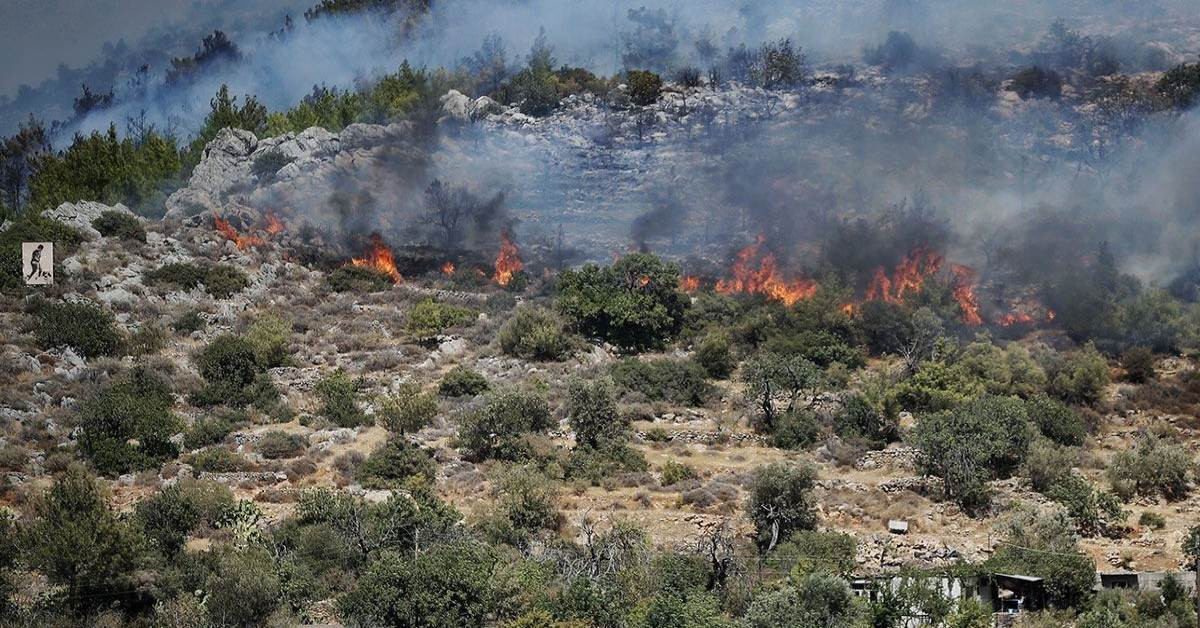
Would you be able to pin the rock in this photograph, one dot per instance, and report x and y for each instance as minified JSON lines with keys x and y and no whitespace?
{"x":224,"y":164}
{"x":453,"y":348}
{"x":80,"y":215}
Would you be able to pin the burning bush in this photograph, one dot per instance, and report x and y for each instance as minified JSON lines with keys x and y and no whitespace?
{"x":461,"y":381}
{"x":87,"y":328}
{"x":634,"y":304}
{"x":535,"y":333}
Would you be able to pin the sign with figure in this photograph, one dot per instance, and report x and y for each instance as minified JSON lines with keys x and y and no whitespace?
{"x":37,"y":263}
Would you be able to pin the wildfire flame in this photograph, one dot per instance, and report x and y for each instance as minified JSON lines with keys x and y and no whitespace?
{"x":689,"y":284}
{"x":448,"y":268}
{"x":1015,"y":318}
{"x":379,"y":258}
{"x":764,"y":279}
{"x":275,"y":224}
{"x":241,"y":241}
{"x":909,"y":276}
{"x":964,"y":293}
{"x":508,"y":261}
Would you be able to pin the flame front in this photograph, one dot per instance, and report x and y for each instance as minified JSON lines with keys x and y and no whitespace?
{"x":909,"y":276}
{"x":379,"y":258}
{"x":765,"y":279}
{"x":689,"y":284}
{"x":275,"y":224}
{"x":964,"y":293}
{"x":448,"y":268}
{"x":508,"y":261}
{"x":241,"y":241}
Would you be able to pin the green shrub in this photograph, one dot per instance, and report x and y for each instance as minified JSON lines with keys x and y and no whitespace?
{"x":1048,"y":464}
{"x":228,"y":358}
{"x":428,"y":319}
{"x":664,"y":379}
{"x":1153,"y":467}
{"x":220,"y":280}
{"x":714,"y":353}
{"x":1037,"y":82}
{"x":358,"y":279}
{"x":875,"y":423}
{"x":500,"y":429}
{"x":268,"y":163}
{"x":1138,"y":363}
{"x":268,"y":338}
{"x":1094,"y":512}
{"x":674,"y":472}
{"x":338,"y":393}
{"x":796,"y":430}
{"x":111,"y":223}
{"x":279,"y":444}
{"x":189,"y":322}
{"x":813,"y":551}
{"x":819,"y":346}
{"x":462,"y":381}
{"x":128,"y":424}
{"x":406,"y":411}
{"x":644,"y":87}
{"x":1056,"y":420}
{"x":937,"y":386}
{"x":167,"y":518}
{"x":595,"y":464}
{"x":218,"y":460}
{"x":634,"y":304}
{"x":1043,"y":544}
{"x":147,"y":340}
{"x":592,"y":413}
{"x":1180,"y":85}
{"x":393,"y":464}
{"x":207,"y":431}
{"x":223,"y":280}
{"x":1008,"y":371}
{"x":526,"y":505}
{"x":1152,"y":520}
{"x":87,"y":328}
{"x":534,"y":333}
{"x":1077,"y":377}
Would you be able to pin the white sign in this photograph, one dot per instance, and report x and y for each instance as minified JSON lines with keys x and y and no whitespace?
{"x":37,"y":263}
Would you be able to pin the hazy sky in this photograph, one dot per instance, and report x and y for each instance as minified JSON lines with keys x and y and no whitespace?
{"x":37,"y":35}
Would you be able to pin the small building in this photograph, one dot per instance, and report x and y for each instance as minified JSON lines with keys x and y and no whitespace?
{"x":1015,"y":593}
{"x":1144,"y":580}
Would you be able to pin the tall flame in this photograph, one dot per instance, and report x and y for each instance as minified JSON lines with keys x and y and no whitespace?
{"x":964,"y":293}
{"x":764,"y":279}
{"x":909,"y":276}
{"x":379,"y":258}
{"x":274,"y":225}
{"x":241,"y":241}
{"x":508,"y":261}
{"x":689,"y":284}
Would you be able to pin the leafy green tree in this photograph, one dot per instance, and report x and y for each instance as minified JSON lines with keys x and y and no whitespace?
{"x":393,"y":464}
{"x":645,"y":87}
{"x":128,"y":425}
{"x":813,"y":551}
{"x":446,"y":586}
{"x":1056,"y":420}
{"x":268,"y":337}
{"x":772,"y":379}
{"x":634,"y":304}
{"x":225,"y":113}
{"x":405,"y":522}
{"x":233,"y":375}
{"x":663,"y":379}
{"x":20,"y":154}
{"x":461,"y":381}
{"x":782,"y":501}
{"x":500,"y":429}
{"x":78,"y":542}
{"x":243,"y":588}
{"x":985,"y":439}
{"x":714,"y":353}
{"x":937,"y":385}
{"x":592,"y":412}
{"x":815,"y":600}
{"x":1180,"y":85}
{"x":526,"y":505}
{"x":1094,"y":512}
{"x":1008,"y":371}
{"x":875,"y":422}
{"x":1076,"y":377}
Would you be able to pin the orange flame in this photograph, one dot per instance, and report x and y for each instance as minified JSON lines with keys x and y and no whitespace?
{"x":1015,"y":318}
{"x":241,"y":241}
{"x":448,"y":268}
{"x":765,"y":279}
{"x":849,"y":308}
{"x":964,"y":293}
{"x":379,"y":258}
{"x":689,"y":284}
{"x":508,"y":261}
{"x":275,"y":225}
{"x":909,"y":276}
